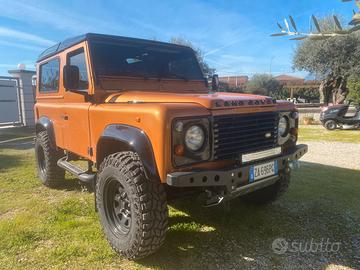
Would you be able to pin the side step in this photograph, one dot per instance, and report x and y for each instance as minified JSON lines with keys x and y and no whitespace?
{"x":86,"y":177}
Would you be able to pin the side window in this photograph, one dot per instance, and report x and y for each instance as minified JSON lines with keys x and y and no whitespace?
{"x":49,"y":76}
{"x":77,"y":59}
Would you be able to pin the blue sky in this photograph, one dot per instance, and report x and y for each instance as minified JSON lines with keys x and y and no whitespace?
{"x":234,"y":35}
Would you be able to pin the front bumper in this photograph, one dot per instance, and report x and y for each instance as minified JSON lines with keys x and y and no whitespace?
{"x":236,"y":180}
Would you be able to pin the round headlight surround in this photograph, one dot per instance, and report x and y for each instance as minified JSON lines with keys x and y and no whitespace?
{"x":283,"y":126}
{"x":194,"y":138}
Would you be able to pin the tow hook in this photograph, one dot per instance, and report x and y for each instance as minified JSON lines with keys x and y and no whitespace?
{"x":212,"y":198}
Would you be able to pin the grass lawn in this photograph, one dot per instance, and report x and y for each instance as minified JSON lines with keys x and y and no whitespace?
{"x":319,"y":133}
{"x":43,"y":228}
{"x":8,"y":134}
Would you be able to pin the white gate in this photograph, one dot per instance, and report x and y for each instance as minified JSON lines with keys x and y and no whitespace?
{"x":10,"y":110}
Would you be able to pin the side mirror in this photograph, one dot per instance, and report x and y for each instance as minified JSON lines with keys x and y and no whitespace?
{"x":71,"y":75}
{"x":215,"y":82}
{"x":206,"y":80}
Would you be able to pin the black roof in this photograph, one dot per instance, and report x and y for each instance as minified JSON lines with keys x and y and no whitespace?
{"x":67,"y":43}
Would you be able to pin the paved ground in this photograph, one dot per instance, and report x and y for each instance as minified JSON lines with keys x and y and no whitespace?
{"x":337,"y":154}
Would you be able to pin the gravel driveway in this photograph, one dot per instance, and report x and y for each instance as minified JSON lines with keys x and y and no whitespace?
{"x":337,"y":154}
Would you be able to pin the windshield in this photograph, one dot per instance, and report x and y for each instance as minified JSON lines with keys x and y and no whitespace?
{"x":144,"y":60}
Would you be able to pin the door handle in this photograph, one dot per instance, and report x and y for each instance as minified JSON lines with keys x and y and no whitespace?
{"x":65,"y":117}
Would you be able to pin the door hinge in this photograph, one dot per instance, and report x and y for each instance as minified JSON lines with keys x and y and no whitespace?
{"x":90,"y":151}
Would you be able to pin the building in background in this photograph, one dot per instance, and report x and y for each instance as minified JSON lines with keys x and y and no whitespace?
{"x":289,"y":80}
{"x":300,"y":89}
{"x":290,"y":87}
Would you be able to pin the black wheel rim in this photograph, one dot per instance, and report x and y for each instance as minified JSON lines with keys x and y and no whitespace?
{"x":41,"y":159}
{"x":117,"y":207}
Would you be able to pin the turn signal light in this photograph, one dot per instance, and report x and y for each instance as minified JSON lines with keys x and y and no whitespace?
{"x":294,"y":131}
{"x":179,"y":150}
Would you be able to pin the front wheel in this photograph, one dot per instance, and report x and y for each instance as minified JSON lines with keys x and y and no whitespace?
{"x":133,"y":209}
{"x":330,"y":125}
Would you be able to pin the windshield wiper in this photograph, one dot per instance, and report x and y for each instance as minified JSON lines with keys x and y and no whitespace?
{"x":173,"y":75}
{"x":128,"y":73}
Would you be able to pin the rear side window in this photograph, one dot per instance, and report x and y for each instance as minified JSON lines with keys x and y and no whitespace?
{"x":77,"y":59}
{"x":49,"y":76}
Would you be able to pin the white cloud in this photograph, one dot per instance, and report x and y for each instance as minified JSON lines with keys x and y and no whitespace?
{"x":29,"y":65}
{"x":43,"y":16}
{"x":11,"y":33}
{"x":239,"y":58}
{"x":21,"y":46}
{"x":7,"y":65}
{"x":228,"y":44}
{"x":22,"y":11}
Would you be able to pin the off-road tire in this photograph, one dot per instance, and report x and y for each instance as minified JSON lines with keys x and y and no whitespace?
{"x":146,"y":201}
{"x":330,"y":125}
{"x":271,"y":193}
{"x":49,"y":173}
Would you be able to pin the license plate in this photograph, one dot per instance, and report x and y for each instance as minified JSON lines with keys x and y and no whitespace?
{"x":263,"y":170}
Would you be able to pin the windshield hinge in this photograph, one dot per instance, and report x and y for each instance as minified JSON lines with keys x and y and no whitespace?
{"x":90,"y":151}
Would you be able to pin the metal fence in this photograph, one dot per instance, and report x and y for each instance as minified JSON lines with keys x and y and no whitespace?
{"x":10,"y":101}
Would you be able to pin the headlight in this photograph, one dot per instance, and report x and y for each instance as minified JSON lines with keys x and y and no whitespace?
{"x":194,"y":137}
{"x":283,"y":126}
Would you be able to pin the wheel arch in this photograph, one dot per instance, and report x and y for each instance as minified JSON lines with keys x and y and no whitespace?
{"x":45,"y":124}
{"x":118,"y":137}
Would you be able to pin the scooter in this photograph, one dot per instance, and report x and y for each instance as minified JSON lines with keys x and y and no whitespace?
{"x":333,"y":117}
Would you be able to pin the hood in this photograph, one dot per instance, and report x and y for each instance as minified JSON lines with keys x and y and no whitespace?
{"x":219,"y":100}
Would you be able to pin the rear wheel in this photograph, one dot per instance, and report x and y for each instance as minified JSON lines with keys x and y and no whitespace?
{"x":133,"y":209}
{"x":46,"y":158}
{"x":330,"y":125}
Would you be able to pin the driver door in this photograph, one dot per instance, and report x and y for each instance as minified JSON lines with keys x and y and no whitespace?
{"x":76,"y":108}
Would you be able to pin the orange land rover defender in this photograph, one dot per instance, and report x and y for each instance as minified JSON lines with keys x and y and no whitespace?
{"x":142,"y":115}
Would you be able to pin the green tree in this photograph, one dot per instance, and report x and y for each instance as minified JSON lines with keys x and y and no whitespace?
{"x":310,"y":94}
{"x":263,"y":84}
{"x":198,"y":52}
{"x":354,"y":90}
{"x":281,"y":93}
{"x":332,"y":60}
{"x":226,"y":87}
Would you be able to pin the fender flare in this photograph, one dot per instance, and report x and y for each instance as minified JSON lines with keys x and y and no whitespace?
{"x":130,"y":139}
{"x":44,"y":123}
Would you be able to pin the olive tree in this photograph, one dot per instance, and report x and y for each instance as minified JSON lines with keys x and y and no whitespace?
{"x":264,"y":84}
{"x":331,"y":60}
{"x":354,"y":90}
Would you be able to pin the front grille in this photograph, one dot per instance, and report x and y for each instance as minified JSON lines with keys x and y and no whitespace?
{"x":243,"y":133}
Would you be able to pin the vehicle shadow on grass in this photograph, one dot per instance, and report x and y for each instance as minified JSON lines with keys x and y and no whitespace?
{"x":320,"y":210}
{"x":74,"y":184}
{"x":25,"y":144}
{"x":17,"y":138}
{"x":9,"y":161}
